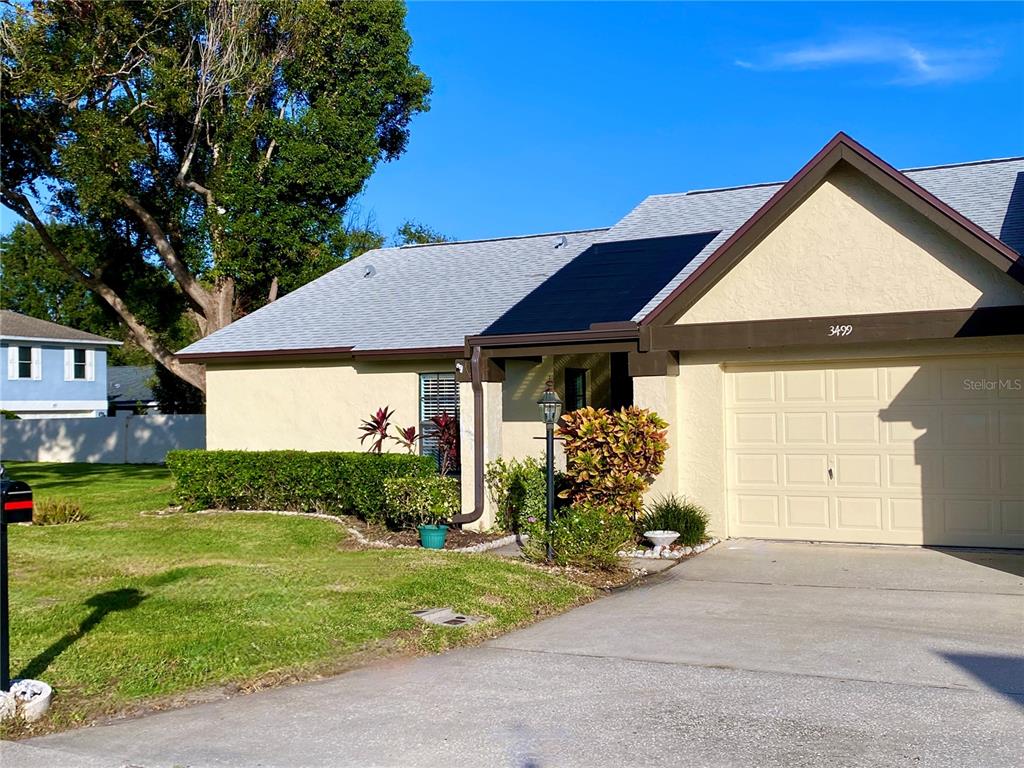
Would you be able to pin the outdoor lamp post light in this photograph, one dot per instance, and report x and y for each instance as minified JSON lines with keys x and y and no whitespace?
{"x":551,"y":408}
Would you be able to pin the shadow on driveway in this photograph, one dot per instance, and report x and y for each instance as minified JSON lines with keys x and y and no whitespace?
{"x":1003,"y":674}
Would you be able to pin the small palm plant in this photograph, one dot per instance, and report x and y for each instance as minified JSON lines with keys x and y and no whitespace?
{"x":407,"y":438}
{"x":376,"y":429}
{"x":445,"y":430}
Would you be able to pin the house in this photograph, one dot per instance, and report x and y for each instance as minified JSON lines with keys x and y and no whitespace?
{"x":52,"y":371}
{"x":840,"y":357}
{"x":129,"y":390}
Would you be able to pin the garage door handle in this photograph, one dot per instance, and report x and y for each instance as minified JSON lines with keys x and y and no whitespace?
{"x":830,"y":473}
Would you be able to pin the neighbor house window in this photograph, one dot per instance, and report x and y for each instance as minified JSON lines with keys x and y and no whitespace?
{"x":79,"y":364}
{"x":575,"y":389}
{"x":24,"y":363}
{"x":439,"y":394}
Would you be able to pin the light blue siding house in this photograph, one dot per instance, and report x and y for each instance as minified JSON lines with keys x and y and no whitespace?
{"x":52,"y":371}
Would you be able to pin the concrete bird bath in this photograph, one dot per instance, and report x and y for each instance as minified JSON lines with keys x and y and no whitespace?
{"x":661,"y":538}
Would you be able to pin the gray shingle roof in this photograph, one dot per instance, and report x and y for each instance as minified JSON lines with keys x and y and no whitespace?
{"x":436,"y":295}
{"x":130,"y":383}
{"x":14,"y":325}
{"x":419,"y":296}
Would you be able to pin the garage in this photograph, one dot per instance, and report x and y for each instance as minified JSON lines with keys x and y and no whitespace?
{"x":911,"y":451}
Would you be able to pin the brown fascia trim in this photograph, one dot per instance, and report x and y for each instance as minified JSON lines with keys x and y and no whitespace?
{"x":315,"y":353}
{"x":622,"y":332}
{"x":793,"y":192}
{"x":804,"y":331}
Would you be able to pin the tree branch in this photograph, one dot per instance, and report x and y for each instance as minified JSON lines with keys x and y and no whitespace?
{"x":193,"y":374}
{"x":195,"y":292}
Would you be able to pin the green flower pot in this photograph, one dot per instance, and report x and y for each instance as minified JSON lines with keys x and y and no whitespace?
{"x":433,"y":536}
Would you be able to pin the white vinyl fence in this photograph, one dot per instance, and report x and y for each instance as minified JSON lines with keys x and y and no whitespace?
{"x":120,"y":439}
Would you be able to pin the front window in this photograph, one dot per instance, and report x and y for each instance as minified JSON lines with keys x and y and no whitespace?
{"x":575,"y":389}
{"x":439,"y":393}
{"x":79,"y":369}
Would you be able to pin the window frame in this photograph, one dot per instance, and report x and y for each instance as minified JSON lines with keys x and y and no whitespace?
{"x":427,"y":447}
{"x":575,"y":388}
{"x":15,"y":362}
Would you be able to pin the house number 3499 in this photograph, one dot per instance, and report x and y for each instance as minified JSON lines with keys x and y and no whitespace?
{"x":840,"y":330}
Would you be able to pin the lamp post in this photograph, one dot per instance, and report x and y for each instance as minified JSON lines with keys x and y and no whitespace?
{"x":550,"y":408}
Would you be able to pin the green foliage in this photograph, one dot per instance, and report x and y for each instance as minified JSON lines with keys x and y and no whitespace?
{"x":585,"y":535}
{"x":415,"y":233}
{"x":57,"y":511}
{"x":327,"y":482}
{"x":518,"y":488}
{"x":36,"y":285}
{"x":671,"y":513}
{"x":414,"y":501}
{"x":8,"y":414}
{"x":174,"y":395}
{"x":612,"y":457}
{"x":216,"y":146}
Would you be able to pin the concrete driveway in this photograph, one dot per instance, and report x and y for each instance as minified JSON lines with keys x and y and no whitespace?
{"x":753,"y":654}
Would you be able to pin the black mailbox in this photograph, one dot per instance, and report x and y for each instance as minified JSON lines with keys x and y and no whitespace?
{"x":15,"y":502}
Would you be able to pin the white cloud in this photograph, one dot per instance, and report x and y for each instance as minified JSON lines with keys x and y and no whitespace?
{"x":913,"y":63}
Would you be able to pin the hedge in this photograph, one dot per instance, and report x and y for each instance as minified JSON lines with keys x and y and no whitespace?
{"x":326,"y":482}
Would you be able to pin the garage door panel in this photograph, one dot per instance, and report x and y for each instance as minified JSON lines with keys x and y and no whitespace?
{"x":1011,"y":426}
{"x":757,"y":469}
{"x":804,"y":386}
{"x":1011,"y":517}
{"x":807,"y":512}
{"x":970,"y":516}
{"x":911,"y":384}
{"x":860,"y":427}
{"x":858,"y":471}
{"x":754,"y":387}
{"x":967,"y":427}
{"x":758,"y":510}
{"x":805,"y":428}
{"x":906,"y":515}
{"x":966,"y":472}
{"x":859,"y":513}
{"x":755,"y":428}
{"x":1011,"y":473}
{"x":920,"y":452}
{"x":856,"y":385}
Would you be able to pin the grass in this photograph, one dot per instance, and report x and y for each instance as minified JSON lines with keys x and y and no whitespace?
{"x":125,"y":610}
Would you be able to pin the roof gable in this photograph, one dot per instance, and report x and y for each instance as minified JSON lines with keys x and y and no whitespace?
{"x":841,"y":149}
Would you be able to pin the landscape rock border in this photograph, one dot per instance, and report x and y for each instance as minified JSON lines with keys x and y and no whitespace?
{"x":668,"y":553}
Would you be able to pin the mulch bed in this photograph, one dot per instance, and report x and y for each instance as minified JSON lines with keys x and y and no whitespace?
{"x":457,"y":537}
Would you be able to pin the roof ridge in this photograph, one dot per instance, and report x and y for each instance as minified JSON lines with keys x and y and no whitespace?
{"x":961,"y":165}
{"x":780,"y":183}
{"x":498,"y":239}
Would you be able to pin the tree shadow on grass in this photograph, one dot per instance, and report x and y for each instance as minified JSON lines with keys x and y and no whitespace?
{"x":102,"y":604}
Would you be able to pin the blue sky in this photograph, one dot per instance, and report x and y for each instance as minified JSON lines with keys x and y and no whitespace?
{"x":563,"y":116}
{"x":549,"y":116}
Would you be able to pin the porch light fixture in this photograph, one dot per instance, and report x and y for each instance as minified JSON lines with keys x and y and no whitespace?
{"x":551,"y":409}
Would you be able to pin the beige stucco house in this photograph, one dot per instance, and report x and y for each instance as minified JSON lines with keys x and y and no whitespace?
{"x":840,"y":357}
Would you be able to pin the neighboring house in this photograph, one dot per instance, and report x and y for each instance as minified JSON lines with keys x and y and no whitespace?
{"x":52,"y":371}
{"x":129,"y":390}
{"x":839,"y":357}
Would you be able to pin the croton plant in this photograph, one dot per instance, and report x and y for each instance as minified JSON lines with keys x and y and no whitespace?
{"x":612,"y":457}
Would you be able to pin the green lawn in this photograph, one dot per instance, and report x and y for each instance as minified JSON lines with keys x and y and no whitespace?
{"x":127,"y":609}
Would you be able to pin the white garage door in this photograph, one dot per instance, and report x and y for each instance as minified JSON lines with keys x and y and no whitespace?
{"x":907,"y":452}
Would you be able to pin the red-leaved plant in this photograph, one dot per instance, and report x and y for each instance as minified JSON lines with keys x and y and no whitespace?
{"x":407,"y":438}
{"x":445,"y":430}
{"x":376,"y":429}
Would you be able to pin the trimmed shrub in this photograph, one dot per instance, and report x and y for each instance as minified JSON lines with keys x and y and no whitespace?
{"x":612,"y":457}
{"x":57,"y":512}
{"x":414,"y":501}
{"x":333,"y":483}
{"x":671,"y":513}
{"x":585,"y":535}
{"x":518,"y":488}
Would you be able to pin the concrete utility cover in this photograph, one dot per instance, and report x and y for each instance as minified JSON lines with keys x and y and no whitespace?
{"x":445,"y":617}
